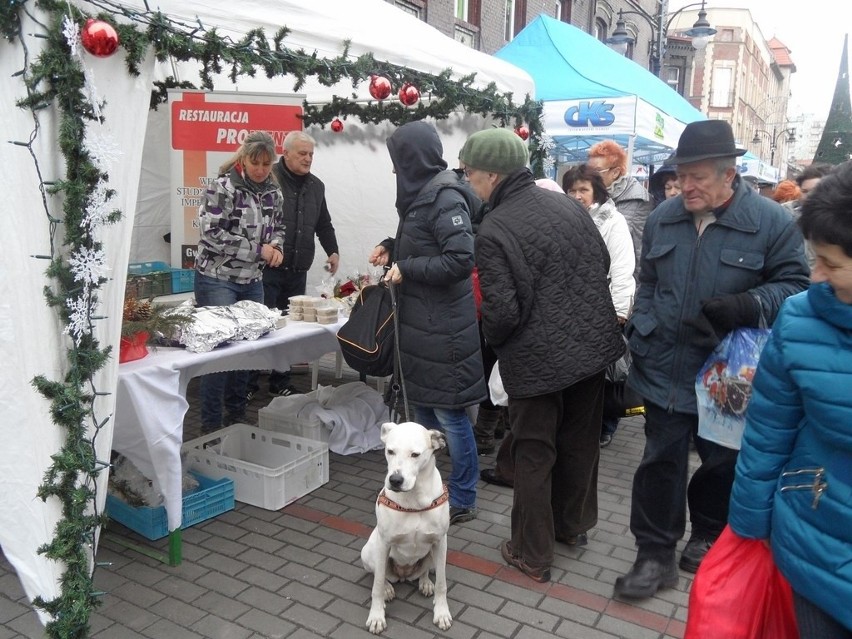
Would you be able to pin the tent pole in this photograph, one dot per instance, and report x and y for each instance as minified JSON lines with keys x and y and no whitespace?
{"x":630,"y":140}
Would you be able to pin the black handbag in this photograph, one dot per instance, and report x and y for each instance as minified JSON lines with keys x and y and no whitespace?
{"x":619,"y":400}
{"x":367,"y":338}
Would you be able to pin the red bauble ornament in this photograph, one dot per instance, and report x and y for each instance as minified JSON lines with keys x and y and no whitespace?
{"x":99,"y":38}
{"x":380,"y":87}
{"x":336,"y":125}
{"x":522,"y":132}
{"x":409,"y":94}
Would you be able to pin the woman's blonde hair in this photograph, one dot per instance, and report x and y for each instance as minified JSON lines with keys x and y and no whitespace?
{"x":257,"y":143}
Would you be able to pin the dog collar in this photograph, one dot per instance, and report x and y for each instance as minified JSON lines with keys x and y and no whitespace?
{"x":384,"y":500}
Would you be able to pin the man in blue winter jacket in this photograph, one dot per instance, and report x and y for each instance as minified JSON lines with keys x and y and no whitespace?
{"x":715,"y":258}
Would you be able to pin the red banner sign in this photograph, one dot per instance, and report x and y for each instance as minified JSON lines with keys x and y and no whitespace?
{"x":222,"y":126}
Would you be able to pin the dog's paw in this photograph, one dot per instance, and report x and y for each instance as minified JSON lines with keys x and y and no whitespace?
{"x":426,"y":587}
{"x":442,"y":618}
{"x":376,"y":623}
{"x":390,"y":593}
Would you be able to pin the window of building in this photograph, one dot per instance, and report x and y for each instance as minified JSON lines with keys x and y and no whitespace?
{"x":410,"y":7}
{"x":672,"y":77}
{"x":562,"y":10}
{"x":600,"y":29}
{"x":726,"y":35}
{"x":509,"y":26}
{"x":721,"y":94}
{"x":462,"y":8}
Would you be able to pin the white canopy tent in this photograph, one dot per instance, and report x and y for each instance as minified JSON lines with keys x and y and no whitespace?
{"x":354,"y":165}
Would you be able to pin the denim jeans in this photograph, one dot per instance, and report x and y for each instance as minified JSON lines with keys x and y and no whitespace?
{"x":815,"y":623}
{"x":279,"y":285}
{"x":660,"y":486}
{"x":609,"y":425}
{"x":458,"y":430}
{"x":229,"y":386}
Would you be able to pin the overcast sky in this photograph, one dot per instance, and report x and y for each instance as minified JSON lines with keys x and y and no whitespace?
{"x":813,"y":31}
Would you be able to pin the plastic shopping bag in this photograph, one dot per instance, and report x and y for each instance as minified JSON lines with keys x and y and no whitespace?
{"x":723,"y":385}
{"x":495,"y":387}
{"x":738,"y":593}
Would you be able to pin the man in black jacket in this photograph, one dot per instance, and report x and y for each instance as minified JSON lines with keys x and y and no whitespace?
{"x":306,"y":216}
{"x":547,"y":312}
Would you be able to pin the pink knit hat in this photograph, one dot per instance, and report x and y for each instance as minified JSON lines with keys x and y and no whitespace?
{"x":550,"y":185}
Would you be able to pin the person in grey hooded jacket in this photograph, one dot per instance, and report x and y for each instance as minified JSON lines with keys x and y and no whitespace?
{"x":431,"y":261}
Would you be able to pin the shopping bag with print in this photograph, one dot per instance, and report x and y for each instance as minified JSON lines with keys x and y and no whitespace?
{"x":723,"y":385}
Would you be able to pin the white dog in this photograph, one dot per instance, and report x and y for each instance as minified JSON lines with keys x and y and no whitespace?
{"x":412,"y":520}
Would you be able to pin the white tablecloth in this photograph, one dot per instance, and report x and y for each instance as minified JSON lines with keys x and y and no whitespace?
{"x":151,"y":396}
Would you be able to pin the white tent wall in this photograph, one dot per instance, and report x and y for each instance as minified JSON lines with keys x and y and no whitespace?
{"x":353,"y":164}
{"x":31,"y":339}
{"x":356,"y":169}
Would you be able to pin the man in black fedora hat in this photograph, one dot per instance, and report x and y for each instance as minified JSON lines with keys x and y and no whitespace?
{"x":717,"y":257}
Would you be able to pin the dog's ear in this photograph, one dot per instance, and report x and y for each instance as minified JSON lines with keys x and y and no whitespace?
{"x":386,"y":429}
{"x":439,"y":441}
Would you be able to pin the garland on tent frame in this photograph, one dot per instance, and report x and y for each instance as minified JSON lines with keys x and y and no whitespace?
{"x":58,"y":77}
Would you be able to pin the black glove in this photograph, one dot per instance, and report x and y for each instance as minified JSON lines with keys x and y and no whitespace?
{"x":706,"y":338}
{"x":732,"y":311}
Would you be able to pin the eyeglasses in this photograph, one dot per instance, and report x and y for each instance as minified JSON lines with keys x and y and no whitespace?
{"x":602,"y":171}
{"x":468,"y":171}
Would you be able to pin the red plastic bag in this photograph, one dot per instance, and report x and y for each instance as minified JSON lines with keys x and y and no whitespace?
{"x":738,"y":593}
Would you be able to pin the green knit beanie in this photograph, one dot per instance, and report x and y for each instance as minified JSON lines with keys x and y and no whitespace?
{"x":495,"y":150}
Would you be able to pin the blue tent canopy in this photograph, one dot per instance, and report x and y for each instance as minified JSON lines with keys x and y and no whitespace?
{"x":592,"y":93}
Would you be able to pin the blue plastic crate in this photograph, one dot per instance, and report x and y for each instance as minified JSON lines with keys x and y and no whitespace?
{"x":183,"y":280}
{"x":212,"y":497}
{"x":144,"y":268}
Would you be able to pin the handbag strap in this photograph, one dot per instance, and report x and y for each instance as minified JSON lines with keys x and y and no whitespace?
{"x":398,"y":380}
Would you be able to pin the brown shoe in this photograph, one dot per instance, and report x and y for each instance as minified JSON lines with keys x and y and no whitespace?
{"x":541,"y":575}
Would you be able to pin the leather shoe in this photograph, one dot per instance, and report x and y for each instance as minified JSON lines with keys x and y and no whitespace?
{"x":490,"y":476}
{"x":538,"y":574}
{"x":646,"y":577}
{"x":695,"y":550}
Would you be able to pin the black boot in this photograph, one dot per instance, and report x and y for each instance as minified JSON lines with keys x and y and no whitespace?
{"x":648,"y":575}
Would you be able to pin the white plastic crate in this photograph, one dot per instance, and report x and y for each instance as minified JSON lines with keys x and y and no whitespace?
{"x":270,"y":418}
{"x":269,"y":469}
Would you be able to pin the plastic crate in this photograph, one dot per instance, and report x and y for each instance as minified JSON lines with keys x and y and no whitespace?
{"x":212,"y":497}
{"x":183,"y":280}
{"x":270,"y":418}
{"x":269,"y":470}
{"x":148,"y":279}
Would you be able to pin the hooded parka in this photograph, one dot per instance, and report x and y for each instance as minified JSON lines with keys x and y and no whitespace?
{"x":438,"y":334}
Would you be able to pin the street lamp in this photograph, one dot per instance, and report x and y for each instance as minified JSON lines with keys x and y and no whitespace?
{"x":773,"y":139}
{"x":701,"y":32}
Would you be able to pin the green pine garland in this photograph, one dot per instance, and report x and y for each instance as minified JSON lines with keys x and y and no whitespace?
{"x":56,"y":78}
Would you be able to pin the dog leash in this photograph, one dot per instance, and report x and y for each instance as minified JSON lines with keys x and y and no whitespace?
{"x":398,"y":380}
{"x":384,"y":500}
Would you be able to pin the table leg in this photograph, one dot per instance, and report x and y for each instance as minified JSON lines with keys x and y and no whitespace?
{"x":175,"y":556}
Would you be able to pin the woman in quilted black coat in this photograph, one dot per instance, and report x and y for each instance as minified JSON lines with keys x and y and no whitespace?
{"x":432,"y":259}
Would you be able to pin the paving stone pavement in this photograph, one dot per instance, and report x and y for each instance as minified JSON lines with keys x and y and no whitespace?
{"x":258,"y":574}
